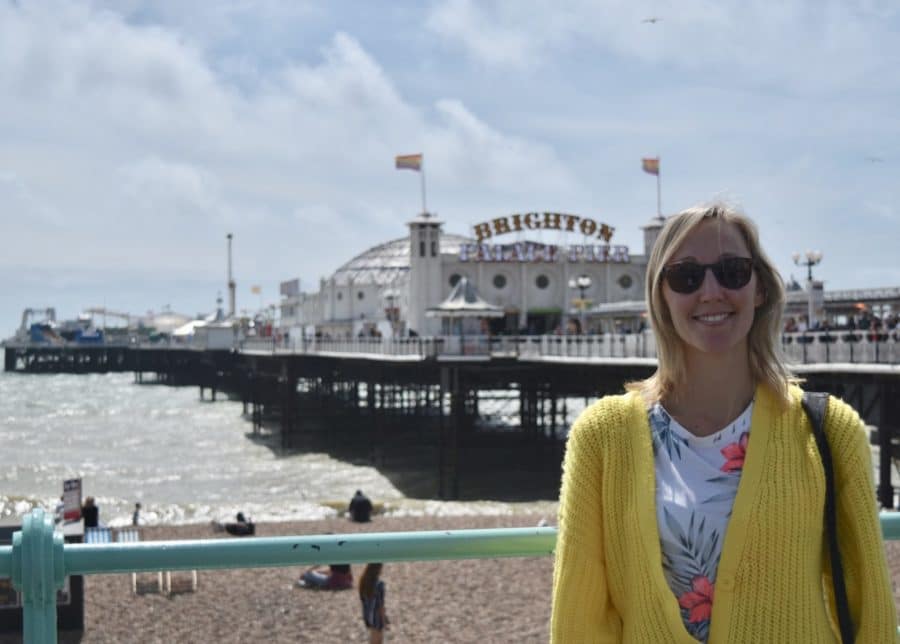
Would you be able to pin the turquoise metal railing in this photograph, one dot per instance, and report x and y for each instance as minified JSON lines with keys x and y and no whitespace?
{"x":38,"y":561}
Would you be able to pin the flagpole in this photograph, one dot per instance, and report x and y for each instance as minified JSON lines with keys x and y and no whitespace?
{"x":422,"y":172}
{"x":658,"y":190}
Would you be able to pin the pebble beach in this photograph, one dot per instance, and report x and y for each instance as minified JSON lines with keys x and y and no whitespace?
{"x":486,"y":601}
{"x":496,"y":600}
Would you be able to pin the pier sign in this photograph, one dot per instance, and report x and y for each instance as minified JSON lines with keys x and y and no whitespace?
{"x":543,"y":221}
{"x":531,"y":252}
{"x":536,"y":252}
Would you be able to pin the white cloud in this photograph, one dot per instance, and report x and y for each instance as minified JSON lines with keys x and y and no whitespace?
{"x":470,"y":152}
{"x":142,"y":153}
{"x":490,"y":38}
{"x":798,"y":45}
{"x":134,"y":136}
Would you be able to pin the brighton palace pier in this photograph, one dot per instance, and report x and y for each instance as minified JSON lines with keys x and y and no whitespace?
{"x":434,"y":357}
{"x":394,"y":285}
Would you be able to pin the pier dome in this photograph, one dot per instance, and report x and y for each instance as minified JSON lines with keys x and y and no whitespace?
{"x":388,"y":263}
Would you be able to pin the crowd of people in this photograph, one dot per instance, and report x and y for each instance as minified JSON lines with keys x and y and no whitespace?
{"x":864,"y":321}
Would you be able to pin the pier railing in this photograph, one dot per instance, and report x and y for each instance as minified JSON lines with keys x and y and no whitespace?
{"x":39,"y":561}
{"x":854,"y":347}
{"x":861,"y":347}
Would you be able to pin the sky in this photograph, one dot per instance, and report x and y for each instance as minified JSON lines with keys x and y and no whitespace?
{"x":134,"y":136}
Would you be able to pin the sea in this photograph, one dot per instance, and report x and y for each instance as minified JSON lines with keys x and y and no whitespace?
{"x":186,"y":460}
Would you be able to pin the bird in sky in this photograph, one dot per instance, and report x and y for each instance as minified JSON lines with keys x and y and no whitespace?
{"x":874,"y":159}
{"x":652,"y":20}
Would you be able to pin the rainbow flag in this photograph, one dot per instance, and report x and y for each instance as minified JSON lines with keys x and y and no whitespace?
{"x":650,"y":166}
{"x":409,"y":162}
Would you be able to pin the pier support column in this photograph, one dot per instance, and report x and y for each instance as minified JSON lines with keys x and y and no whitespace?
{"x":448,"y":447}
{"x":288,"y":384}
{"x":889,"y":422}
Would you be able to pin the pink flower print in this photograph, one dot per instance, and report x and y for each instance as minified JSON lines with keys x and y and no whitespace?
{"x":699,"y":600}
{"x":734,"y":454}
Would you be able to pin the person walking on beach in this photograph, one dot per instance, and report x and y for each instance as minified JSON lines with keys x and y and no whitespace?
{"x":371,"y":594}
{"x":692,"y":507}
{"x":90,"y":513}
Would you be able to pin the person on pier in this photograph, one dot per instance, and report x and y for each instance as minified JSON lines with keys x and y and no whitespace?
{"x":692,"y":506}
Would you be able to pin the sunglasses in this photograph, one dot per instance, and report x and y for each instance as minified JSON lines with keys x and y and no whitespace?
{"x":686,"y":277}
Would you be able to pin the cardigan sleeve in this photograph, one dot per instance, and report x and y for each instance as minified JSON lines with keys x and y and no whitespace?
{"x":582,"y":610}
{"x":859,"y":531}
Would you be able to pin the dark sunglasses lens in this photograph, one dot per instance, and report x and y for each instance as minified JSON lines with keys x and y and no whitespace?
{"x":685,"y":277}
{"x":734,"y":272}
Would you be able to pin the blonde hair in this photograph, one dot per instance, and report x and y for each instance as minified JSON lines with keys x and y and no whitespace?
{"x":767,"y":365}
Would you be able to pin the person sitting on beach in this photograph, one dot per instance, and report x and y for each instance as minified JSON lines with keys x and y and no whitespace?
{"x":360,"y":508}
{"x":90,"y":513}
{"x":371,"y":594}
{"x":338,"y":577}
{"x":60,"y":510}
{"x":243,"y":527}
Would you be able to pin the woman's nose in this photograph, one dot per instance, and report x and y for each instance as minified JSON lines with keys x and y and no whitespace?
{"x":710,"y":289}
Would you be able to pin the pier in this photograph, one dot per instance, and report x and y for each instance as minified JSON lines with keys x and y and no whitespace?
{"x":439,"y":416}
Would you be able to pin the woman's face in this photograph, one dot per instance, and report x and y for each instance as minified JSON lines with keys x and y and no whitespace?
{"x":713,"y":319}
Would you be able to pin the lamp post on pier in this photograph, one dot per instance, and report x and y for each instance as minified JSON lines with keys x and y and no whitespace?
{"x":582,"y":283}
{"x":392,"y":309}
{"x":809,"y":259}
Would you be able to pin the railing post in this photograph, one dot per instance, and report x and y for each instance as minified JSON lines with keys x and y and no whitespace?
{"x":38,"y":572}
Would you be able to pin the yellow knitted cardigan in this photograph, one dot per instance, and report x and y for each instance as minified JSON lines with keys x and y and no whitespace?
{"x":608,"y":582}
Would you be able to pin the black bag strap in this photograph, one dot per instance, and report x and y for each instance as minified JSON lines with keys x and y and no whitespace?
{"x":815,"y":404}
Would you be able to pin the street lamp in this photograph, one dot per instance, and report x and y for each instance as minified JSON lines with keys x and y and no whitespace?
{"x":391,"y":311}
{"x":582,"y":283}
{"x":809,"y":259}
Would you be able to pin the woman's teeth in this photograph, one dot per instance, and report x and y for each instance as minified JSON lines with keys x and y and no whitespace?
{"x":716,"y":317}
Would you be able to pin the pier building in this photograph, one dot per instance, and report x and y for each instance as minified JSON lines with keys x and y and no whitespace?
{"x":543,"y":269}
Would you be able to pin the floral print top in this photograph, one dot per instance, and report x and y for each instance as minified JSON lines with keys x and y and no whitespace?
{"x":696,"y":483}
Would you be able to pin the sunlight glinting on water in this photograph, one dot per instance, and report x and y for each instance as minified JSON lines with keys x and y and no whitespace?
{"x":184,"y":459}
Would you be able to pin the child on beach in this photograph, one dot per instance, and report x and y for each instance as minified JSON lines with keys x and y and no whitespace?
{"x":371,"y":594}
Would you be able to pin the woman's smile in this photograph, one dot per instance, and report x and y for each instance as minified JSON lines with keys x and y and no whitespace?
{"x":713,"y":319}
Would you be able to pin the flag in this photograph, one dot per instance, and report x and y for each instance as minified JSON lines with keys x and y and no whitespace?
{"x":650,"y":166}
{"x":409,"y":162}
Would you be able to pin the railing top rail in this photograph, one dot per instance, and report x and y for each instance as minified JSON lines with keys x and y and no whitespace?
{"x":264,"y":552}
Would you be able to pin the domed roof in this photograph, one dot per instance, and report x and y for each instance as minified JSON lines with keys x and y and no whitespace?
{"x":388,"y":263}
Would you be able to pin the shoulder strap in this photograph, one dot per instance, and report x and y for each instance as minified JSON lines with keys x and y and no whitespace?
{"x":815,"y":404}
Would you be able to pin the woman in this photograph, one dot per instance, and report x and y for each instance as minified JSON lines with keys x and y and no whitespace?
{"x":692,"y":506}
{"x":371,"y":594}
